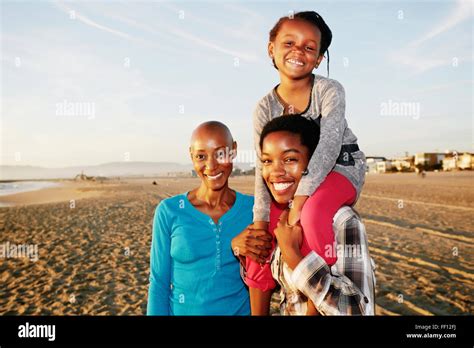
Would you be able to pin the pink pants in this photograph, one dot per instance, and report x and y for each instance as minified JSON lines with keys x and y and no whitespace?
{"x":316,"y":220}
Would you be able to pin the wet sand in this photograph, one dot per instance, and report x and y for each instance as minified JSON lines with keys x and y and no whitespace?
{"x":94,"y":255}
{"x":66,"y":191}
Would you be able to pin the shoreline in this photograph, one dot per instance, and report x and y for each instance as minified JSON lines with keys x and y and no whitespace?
{"x":65,"y":192}
{"x":25,"y":186}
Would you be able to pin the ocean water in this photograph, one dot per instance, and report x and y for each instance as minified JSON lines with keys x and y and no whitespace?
{"x":10,"y":188}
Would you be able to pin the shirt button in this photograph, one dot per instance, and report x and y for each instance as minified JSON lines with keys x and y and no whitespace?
{"x":366,"y":299}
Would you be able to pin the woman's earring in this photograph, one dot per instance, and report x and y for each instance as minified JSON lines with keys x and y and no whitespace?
{"x":305,"y":172}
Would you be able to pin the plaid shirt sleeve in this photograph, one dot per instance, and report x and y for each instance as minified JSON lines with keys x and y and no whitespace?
{"x":347,"y":287}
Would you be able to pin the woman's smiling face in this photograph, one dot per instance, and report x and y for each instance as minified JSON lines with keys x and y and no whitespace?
{"x":212,"y":153}
{"x":284,"y":159}
{"x":295,"y":49}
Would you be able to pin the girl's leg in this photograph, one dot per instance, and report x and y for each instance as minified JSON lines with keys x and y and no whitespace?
{"x":318,"y":213}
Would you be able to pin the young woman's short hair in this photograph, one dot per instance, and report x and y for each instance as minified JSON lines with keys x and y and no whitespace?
{"x":307,"y":129}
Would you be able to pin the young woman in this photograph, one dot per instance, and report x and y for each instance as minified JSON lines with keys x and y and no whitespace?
{"x":309,"y":284}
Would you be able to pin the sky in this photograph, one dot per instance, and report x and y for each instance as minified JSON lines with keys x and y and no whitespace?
{"x":91,"y":82}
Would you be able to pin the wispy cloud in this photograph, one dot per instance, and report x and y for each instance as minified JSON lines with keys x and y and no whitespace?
{"x":143,"y":28}
{"x":76,"y":15}
{"x":418,"y":63}
{"x":245,"y":30}
{"x":234,"y":7}
{"x":459,"y":14}
{"x":441,"y":87}
{"x":206,"y":43}
{"x":174,"y":31}
{"x":242,"y":31}
{"x":410,"y":55}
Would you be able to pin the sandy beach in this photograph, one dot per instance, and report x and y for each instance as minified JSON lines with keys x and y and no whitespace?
{"x":93,"y":255}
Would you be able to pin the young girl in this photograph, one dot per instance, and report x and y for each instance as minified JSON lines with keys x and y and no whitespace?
{"x":336,"y":171}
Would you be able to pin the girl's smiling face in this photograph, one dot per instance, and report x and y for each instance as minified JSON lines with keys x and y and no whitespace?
{"x":295,"y":49}
{"x":284,"y":159}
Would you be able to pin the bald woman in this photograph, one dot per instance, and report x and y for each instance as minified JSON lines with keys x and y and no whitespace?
{"x":193,"y":269}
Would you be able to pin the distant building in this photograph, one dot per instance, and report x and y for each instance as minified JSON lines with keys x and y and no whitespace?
{"x":383,"y":166}
{"x":372,"y":164}
{"x":454,"y":161}
{"x":404,"y":164}
{"x":83,"y":177}
{"x":429,"y":160}
{"x":466,"y":161}
{"x":423,"y":161}
{"x":450,"y":163}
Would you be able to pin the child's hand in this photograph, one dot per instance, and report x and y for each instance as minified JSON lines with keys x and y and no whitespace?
{"x":296,"y":207}
{"x":253,"y":243}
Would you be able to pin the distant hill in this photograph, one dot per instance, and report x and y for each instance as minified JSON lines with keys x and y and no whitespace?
{"x":106,"y":169}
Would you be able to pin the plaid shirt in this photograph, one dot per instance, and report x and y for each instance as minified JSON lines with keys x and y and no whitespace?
{"x":345,"y":288}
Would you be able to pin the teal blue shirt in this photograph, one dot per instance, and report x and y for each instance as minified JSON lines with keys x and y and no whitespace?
{"x":193,"y":270}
